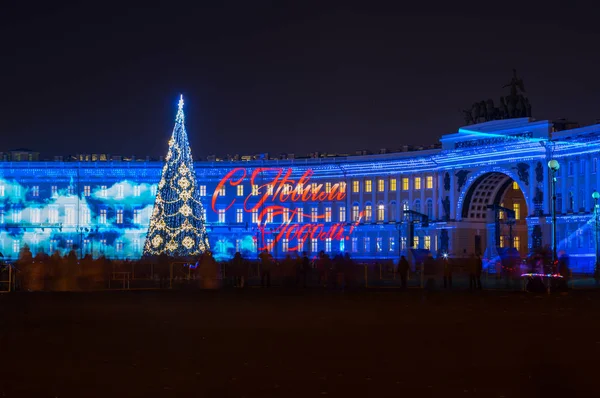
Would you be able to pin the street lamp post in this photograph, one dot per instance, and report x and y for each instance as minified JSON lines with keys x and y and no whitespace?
{"x":554,"y":166}
{"x":596,"y":196}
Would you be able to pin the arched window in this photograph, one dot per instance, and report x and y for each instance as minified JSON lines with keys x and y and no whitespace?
{"x":418,"y":206}
{"x":429,"y":210}
{"x":380,"y":212}
{"x":368,"y":212}
{"x":392,"y":211}
{"x":355,"y":211}
{"x":405,"y":207}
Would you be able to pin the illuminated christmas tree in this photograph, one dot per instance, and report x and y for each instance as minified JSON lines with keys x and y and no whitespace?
{"x":177,"y":226}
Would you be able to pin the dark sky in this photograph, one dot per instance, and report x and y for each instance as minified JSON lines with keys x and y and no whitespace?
{"x":281,"y":76}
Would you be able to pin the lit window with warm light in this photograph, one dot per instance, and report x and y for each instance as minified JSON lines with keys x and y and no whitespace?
{"x":429,"y":182}
{"x":417,"y":182}
{"x":380,"y":185}
{"x":405,"y":184}
{"x":368,"y":186}
{"x":393,"y":185}
{"x":355,"y":186}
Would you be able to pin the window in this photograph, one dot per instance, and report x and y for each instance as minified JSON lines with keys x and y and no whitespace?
{"x":84,"y":213}
{"x":119,"y":216}
{"x":328,"y":214}
{"x":16,"y":215}
{"x":581,"y":166}
{"x":86,"y":245}
{"x":427,"y":243}
{"x":429,"y":210}
{"x":501,"y":213}
{"x":393,"y":185}
{"x":287,"y":189}
{"x":327,"y":187}
{"x":380,"y":185}
{"x":380,"y":212}
{"x":328,"y":245}
{"x":238,"y":245}
{"x":368,"y":186}
{"x":286,"y":215}
{"x":54,"y":191}
{"x":517,"y":209}
{"x":53,"y":215}
{"x":202,"y":190}
{"x":69,"y":215}
{"x":342,"y":211}
{"x":355,"y":187}
{"x":416,"y":242}
{"x":16,"y":245}
{"x":270,"y":189}
{"x":240,"y":190}
{"x":571,"y":168}
{"x":313,"y":214}
{"x":403,"y":243}
{"x":239,"y":215}
{"x":119,"y":246}
{"x":153,"y":189}
{"x":35,"y":191}
{"x":137,"y":213}
{"x":314,"y":245}
{"x":516,"y":242}
{"x":367,"y":242}
{"x":35,"y":216}
{"x":342,"y":187}
{"x":354,"y":245}
{"x":405,"y":184}
{"x":515,"y":186}
{"x":137,"y":191}
{"x":594,"y":165}
{"x":69,"y":243}
{"x":102,"y":216}
{"x":270,"y":215}
{"x":355,"y":213}
{"x":102,"y":245}
{"x":120,"y":191}
{"x":342,"y":245}
{"x":391,"y":243}
{"x":254,"y":190}
{"x":255,"y":216}
{"x":300,"y":244}
{"x":418,"y":206}
{"x":222,"y":191}
{"x":103,"y":191}
{"x":70,"y":190}
{"x":405,"y":208}
{"x":87,"y":190}
{"x":222,"y":216}
{"x":379,"y":244}
{"x":17,"y":191}
{"x":53,"y":246}
{"x":285,"y":245}
{"x":368,"y":212}
{"x":392,"y":211}
{"x":300,"y":211}
{"x":417,"y":182}
{"x":429,"y":182}
{"x":203,"y":213}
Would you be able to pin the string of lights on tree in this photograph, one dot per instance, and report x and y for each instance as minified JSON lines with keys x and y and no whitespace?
{"x":177,"y":226}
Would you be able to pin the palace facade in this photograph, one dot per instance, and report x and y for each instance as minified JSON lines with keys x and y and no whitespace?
{"x":486,"y":189}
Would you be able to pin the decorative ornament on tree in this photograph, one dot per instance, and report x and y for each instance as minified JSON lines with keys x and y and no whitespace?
{"x":177,"y":227}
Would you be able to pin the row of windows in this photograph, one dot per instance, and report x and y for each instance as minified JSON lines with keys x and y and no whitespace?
{"x":582,"y":164}
{"x":69,"y":244}
{"x":87,"y":191}
{"x":70,"y":216}
{"x":417,"y":184}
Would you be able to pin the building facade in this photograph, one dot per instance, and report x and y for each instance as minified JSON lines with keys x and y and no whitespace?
{"x":487,"y":188}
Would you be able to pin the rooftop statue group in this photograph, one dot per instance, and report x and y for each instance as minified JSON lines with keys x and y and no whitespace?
{"x":511,"y":106}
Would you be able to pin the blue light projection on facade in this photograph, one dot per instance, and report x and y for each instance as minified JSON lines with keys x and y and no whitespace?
{"x":103,"y":208}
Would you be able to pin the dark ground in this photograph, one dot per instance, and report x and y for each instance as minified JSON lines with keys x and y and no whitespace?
{"x":261,"y":343}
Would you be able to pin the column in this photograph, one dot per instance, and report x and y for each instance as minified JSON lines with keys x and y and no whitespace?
{"x":564,"y":172}
{"x":587,"y":188}
{"x":386,"y":202}
{"x":423,"y":189}
{"x":532,"y":185}
{"x":576,"y":185}
{"x":439,"y":196}
{"x":398,"y":196}
{"x":452,"y":195}
{"x":547,"y":189}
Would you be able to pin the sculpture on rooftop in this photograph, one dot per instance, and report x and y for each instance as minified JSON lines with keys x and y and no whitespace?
{"x":514,"y":105}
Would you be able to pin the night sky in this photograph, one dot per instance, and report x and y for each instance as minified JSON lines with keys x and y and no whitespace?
{"x":280,"y":76}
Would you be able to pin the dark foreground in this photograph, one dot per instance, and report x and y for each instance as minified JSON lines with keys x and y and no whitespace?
{"x":280,"y":344}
